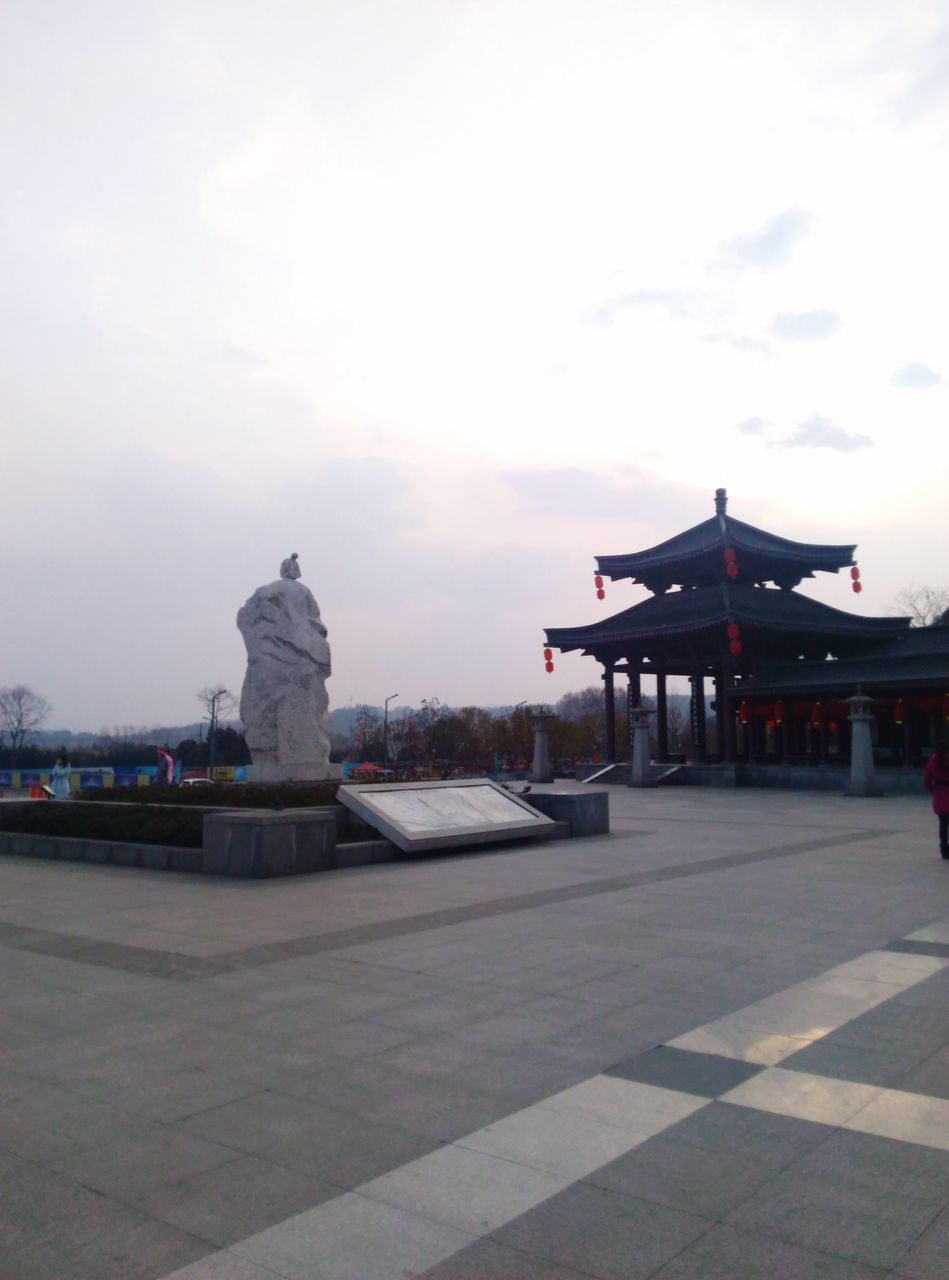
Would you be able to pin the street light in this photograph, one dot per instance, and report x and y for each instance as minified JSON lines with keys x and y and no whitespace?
{"x":212,"y":706}
{"x":385,"y":729}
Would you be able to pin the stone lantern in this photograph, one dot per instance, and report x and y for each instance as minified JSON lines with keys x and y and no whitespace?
{"x":640,"y":774}
{"x":541,"y":770}
{"x":862,"y":771}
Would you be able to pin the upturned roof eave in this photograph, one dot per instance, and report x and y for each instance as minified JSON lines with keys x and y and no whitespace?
{"x":819,"y":620}
{"x":742,"y":537}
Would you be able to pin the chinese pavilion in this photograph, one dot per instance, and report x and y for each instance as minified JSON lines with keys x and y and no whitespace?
{"x":723,"y":606}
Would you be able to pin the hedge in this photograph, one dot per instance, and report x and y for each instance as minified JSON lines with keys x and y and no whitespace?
{"x":136,"y":824}
{"x":221,"y":795}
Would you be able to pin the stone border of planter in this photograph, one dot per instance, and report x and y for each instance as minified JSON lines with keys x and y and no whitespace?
{"x":260,"y":844}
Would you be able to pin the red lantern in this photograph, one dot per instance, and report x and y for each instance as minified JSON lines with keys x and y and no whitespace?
{"x":549,"y":666}
{"x":857,"y":586}
{"x":855,"y":573}
{"x":598,"y":581}
{"x":743,"y":713}
{"x":832,"y":726}
{"x":600,"y":593}
{"x":548,"y":655}
{"x":734,"y":648}
{"x":729,"y":555}
{"x":733,"y":631}
{"x":732,"y":570}
{"x":770,"y":726}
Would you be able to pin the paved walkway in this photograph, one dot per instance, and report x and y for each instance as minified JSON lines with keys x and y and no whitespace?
{"x":712,"y":1046}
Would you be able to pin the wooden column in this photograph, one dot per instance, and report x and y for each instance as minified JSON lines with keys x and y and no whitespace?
{"x":725,"y":716}
{"x":662,"y":717}
{"x":609,"y":712}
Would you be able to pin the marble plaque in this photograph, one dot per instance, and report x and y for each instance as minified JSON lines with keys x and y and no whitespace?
{"x":435,"y":815}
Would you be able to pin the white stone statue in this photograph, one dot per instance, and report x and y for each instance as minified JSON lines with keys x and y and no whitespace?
{"x":289,"y":568}
{"x":284,"y":703}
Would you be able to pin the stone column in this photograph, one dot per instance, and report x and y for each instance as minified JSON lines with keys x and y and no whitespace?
{"x":540,"y":769}
{"x":697,"y":754}
{"x":662,"y":716}
{"x":609,"y":712}
{"x":862,"y":772}
{"x":640,"y":774}
{"x":725,"y":716}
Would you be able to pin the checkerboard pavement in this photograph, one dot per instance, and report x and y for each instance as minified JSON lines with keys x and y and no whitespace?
{"x":714,"y":1044}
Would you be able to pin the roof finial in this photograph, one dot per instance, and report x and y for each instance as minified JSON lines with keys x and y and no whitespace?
{"x":721,"y":501}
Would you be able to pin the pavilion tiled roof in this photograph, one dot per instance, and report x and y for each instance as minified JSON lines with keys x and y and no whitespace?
{"x":691,"y":612}
{"x":918,"y":658}
{"x":762,"y":556}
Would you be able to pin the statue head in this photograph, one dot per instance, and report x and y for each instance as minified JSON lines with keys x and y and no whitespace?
{"x":290,"y":568}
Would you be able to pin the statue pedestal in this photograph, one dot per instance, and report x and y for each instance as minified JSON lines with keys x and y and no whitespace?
{"x":264,"y":773}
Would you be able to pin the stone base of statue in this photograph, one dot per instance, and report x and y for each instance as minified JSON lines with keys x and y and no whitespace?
{"x":277,"y":773}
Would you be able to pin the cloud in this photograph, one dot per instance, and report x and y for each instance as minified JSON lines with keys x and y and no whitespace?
{"x":740,"y":342}
{"x":917,"y":376}
{"x":752,"y":426}
{"x":805,"y":326}
{"x":818,"y":432}
{"x":679,"y":303}
{"x":628,"y":494}
{"x":771,"y":247}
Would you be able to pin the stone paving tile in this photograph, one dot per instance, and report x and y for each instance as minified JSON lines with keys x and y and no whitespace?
{"x":932,"y":992}
{"x":931,"y":1077}
{"x":488,"y":1260}
{"x":255,"y":1121}
{"x":723,"y":1129}
{"x":928,"y":1257}
{"x":707,"y":1074}
{"x":347,"y":1150}
{"x":601,"y":1233}
{"x":882,"y":1037}
{"x":725,"y":1253}
{"x":44,"y":1122}
{"x":680,"y":1176}
{"x":353,"y":1238}
{"x":857,"y":1196}
{"x":52,"y":1228}
{"x":220,"y":1266}
{"x":132,"y":1167}
{"x":236,"y":1200}
{"x":470,"y":1190}
{"x":842,"y":1062}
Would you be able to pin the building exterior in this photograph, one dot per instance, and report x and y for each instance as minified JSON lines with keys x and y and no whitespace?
{"x":724,"y":608}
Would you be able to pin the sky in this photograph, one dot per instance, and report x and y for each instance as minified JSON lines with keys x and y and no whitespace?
{"x":448,"y":297}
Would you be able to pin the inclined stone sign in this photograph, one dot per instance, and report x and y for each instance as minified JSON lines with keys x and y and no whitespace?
{"x":284,"y":703}
{"x":435,"y":815}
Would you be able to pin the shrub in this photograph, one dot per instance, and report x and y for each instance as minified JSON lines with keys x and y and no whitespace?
{"x":221,"y":795}
{"x":137,"y":824}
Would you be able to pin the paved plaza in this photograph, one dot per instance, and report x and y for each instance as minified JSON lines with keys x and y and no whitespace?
{"x":713,"y":1045}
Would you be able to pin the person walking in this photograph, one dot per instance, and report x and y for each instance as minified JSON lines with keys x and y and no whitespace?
{"x":936,"y":782}
{"x":59,"y":777}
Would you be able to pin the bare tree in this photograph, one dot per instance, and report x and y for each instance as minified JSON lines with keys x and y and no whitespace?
{"x":922,"y":605}
{"x":21,"y":711}
{"x":219,"y":702}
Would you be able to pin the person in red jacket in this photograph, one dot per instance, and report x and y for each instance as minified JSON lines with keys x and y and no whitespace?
{"x":936,"y":782}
